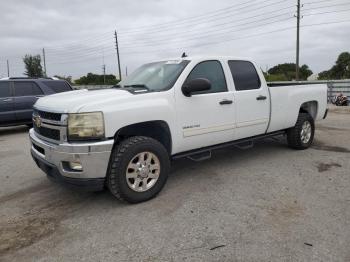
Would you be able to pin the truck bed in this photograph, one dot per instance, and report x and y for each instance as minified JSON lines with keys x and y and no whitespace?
{"x":285,"y":100}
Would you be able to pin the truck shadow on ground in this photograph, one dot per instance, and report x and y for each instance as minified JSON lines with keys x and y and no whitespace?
{"x":318,"y":145}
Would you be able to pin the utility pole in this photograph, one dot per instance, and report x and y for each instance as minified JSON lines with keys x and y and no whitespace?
{"x":117,"y":47}
{"x":298,"y":42}
{"x":103,"y":67}
{"x":126,"y":71}
{"x":8,"y":69}
{"x":104,"y":73}
{"x":44,"y":62}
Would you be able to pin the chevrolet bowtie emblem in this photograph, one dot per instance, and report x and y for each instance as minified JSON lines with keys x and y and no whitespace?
{"x":37,"y":121}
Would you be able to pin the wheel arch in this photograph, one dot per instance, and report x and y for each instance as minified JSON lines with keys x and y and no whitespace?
{"x":156,"y":129}
{"x":310,"y":107}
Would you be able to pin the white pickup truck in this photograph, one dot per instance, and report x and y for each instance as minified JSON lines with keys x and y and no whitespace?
{"x":125,"y":137}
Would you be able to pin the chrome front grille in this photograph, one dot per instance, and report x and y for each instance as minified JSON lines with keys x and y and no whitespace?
{"x":47,"y":132}
{"x":50,"y":126}
{"x":48,"y":115}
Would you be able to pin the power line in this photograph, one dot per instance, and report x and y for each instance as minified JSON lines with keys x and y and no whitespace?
{"x":217,"y":34}
{"x":327,"y":6}
{"x":72,"y":44}
{"x":164,"y":27}
{"x":92,"y":50}
{"x":226,"y":40}
{"x":86,"y":52}
{"x":123,"y":52}
{"x":220,"y":26}
{"x":181,"y":33}
{"x":104,"y":42}
{"x":205,"y":15}
{"x":317,"y":2}
{"x":327,"y":12}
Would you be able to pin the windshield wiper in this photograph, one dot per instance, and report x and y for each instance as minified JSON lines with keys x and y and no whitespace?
{"x":138,"y":86}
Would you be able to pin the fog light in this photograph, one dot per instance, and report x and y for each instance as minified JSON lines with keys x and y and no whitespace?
{"x":76,"y":165}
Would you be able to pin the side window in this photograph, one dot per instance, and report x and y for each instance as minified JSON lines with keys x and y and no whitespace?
{"x":244,"y":75}
{"x":58,"y":86}
{"x":5,"y":89}
{"x":27,"y":89}
{"x":23,"y":88}
{"x":36,"y":90}
{"x":211,"y":70}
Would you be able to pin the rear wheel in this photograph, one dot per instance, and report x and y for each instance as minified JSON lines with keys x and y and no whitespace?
{"x":302,"y":134}
{"x":138,"y":170}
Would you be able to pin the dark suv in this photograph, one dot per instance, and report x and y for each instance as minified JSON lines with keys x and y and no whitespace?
{"x":18,"y":95}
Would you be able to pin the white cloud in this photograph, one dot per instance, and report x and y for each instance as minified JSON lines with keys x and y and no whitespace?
{"x":76,"y":34}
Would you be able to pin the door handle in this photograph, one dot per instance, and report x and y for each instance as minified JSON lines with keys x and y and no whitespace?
{"x":261,"y":98}
{"x":226,"y":102}
{"x":7,"y":100}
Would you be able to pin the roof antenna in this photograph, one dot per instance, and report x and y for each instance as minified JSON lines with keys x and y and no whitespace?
{"x":183,"y":55}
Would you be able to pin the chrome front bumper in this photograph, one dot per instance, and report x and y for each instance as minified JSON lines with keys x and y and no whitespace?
{"x":93,"y":156}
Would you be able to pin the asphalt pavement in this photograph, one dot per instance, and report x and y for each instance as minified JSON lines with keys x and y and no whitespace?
{"x":267,"y":203}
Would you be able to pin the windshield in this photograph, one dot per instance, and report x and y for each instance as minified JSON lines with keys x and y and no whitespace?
{"x":156,"y":76}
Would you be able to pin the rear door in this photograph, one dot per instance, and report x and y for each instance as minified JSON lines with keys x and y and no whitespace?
{"x":7,"y":113}
{"x":26,"y":93}
{"x":252,"y":100}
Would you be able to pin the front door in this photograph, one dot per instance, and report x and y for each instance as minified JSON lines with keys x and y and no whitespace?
{"x":206,"y":118}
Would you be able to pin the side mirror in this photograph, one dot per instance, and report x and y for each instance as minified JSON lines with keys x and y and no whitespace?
{"x":195,"y":85}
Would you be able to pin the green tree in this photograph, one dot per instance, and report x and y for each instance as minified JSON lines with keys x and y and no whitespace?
{"x":276,"y":78}
{"x":286,"y":72}
{"x":33,"y":66}
{"x":94,"y":79}
{"x":324,"y":75}
{"x":341,"y":69}
{"x":67,"y":78}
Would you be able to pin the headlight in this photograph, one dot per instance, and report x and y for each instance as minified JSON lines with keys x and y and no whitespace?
{"x":85,"y":126}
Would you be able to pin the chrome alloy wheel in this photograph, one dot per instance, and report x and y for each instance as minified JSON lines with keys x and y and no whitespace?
{"x":143,"y":171}
{"x":305,"y":133}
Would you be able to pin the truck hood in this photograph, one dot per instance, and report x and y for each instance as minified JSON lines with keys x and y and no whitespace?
{"x":74,"y":101}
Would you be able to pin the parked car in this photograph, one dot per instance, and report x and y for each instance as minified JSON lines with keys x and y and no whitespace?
{"x":124,"y":138}
{"x":18,"y":95}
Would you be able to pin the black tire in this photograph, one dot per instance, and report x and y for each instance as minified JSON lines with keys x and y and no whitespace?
{"x":121,"y":156}
{"x":294,"y":137}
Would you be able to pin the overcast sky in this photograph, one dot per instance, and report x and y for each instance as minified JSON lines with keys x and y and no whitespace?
{"x":78,"y":36}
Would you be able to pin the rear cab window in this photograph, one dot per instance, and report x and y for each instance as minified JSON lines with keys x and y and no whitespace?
{"x":5,"y":90}
{"x":27,"y":88}
{"x":58,"y":86}
{"x":244,"y":75}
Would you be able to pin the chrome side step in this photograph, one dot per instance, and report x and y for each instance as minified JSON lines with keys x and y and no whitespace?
{"x":200,"y":156}
{"x":205,"y":152}
{"x":245,"y":145}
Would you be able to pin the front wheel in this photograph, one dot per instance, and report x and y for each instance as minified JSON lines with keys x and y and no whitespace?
{"x":302,"y":134}
{"x":138,"y":170}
